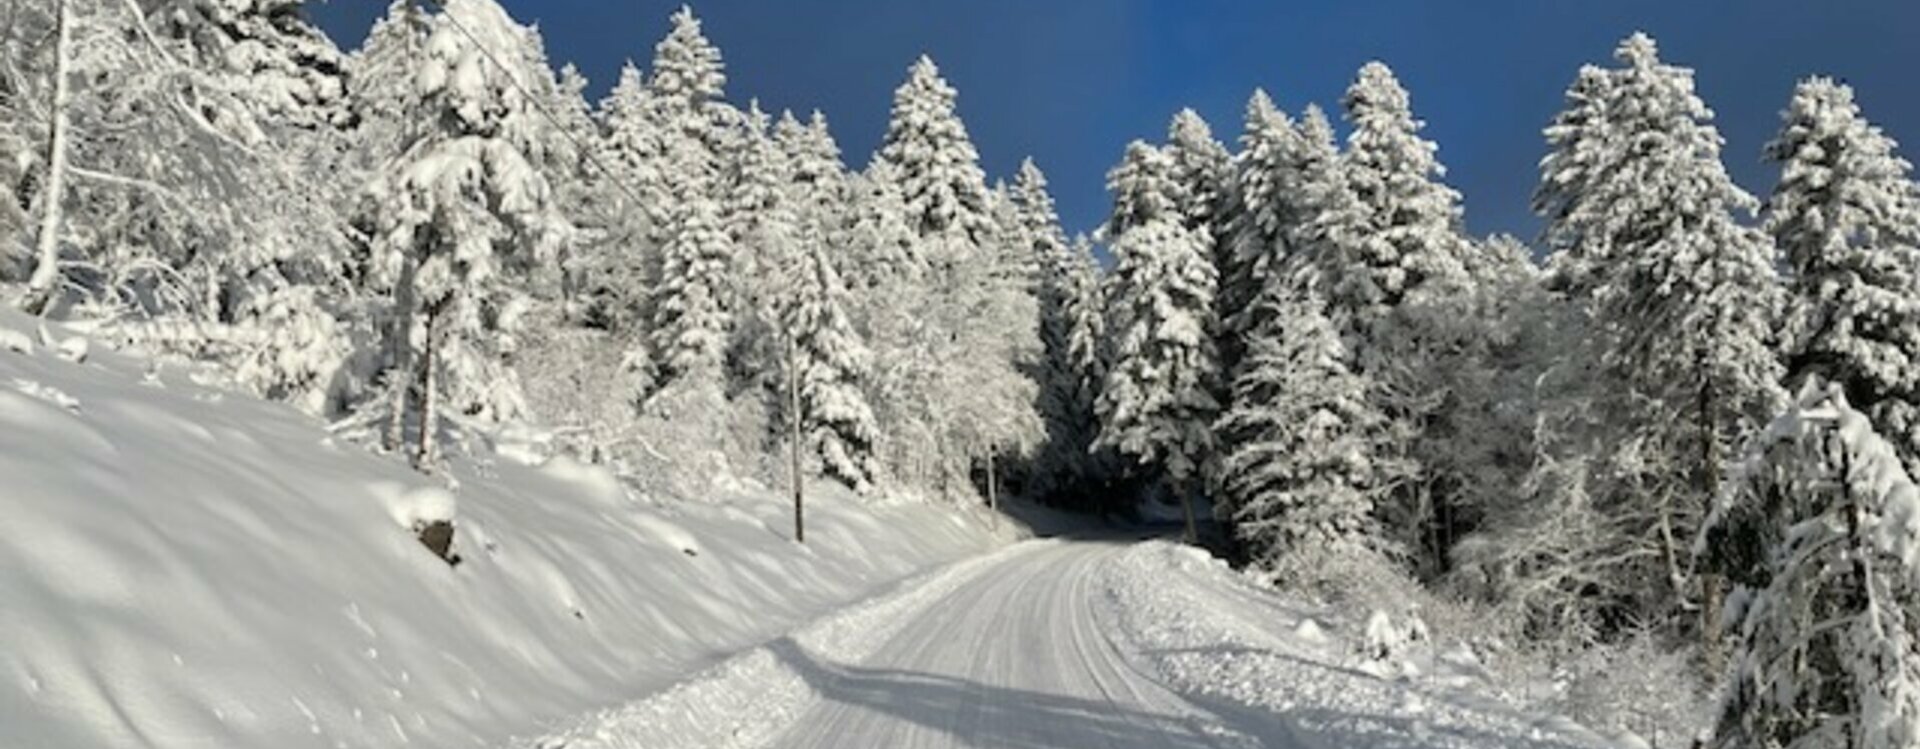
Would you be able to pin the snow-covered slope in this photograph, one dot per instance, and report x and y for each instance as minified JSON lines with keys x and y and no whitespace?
{"x":1245,"y":653}
{"x":186,"y":567}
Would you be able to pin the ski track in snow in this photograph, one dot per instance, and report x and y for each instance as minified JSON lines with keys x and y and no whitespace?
{"x":1064,"y":644}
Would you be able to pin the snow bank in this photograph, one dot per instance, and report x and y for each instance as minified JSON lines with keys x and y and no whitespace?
{"x":182,"y":567}
{"x":1210,"y":634}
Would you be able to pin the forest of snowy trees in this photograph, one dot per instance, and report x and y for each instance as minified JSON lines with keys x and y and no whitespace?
{"x":1683,"y":410}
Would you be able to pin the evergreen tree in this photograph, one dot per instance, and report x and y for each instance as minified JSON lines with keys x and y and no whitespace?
{"x":880,"y":240}
{"x":1410,"y":236}
{"x":1063,"y":464}
{"x":461,"y":222}
{"x":1682,"y":297}
{"x":689,"y":80}
{"x":1257,"y":243}
{"x":1158,"y":402}
{"x":831,"y":362}
{"x":758,"y":215}
{"x":933,"y":158}
{"x":632,"y":207}
{"x":286,"y":71}
{"x":1204,"y":170}
{"x":1820,"y":534}
{"x":954,"y":375}
{"x":1846,"y":217}
{"x":1299,"y":442}
{"x":692,"y":324}
{"x":1327,"y":235}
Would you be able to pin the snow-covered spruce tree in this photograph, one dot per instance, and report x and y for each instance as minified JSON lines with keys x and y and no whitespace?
{"x":1158,"y":403}
{"x":1257,"y":241}
{"x":1326,"y":236}
{"x":955,"y":380}
{"x":817,"y":177}
{"x":689,"y":82}
{"x":284,"y":69}
{"x":1204,"y":171}
{"x":1410,"y":238}
{"x":1299,"y":443}
{"x":1846,"y":216}
{"x":879,"y":241}
{"x":1682,"y":297}
{"x":1088,"y":350}
{"x":634,"y":205}
{"x":830,"y":362}
{"x":1061,"y":468}
{"x":460,"y":221}
{"x":933,"y":159}
{"x":692,"y":324}
{"x":381,"y":97}
{"x":1821,"y":530}
{"x":757,"y":177}
{"x":1397,"y":271}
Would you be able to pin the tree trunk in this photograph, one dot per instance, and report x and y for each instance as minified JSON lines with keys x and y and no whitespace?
{"x":423,"y":456}
{"x":1710,"y":473}
{"x":1186,"y":507}
{"x":793,"y":418}
{"x":41,"y":286}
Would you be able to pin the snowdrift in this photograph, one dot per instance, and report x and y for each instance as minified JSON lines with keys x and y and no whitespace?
{"x":186,"y":567}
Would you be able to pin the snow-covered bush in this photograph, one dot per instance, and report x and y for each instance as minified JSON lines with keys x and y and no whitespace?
{"x":1641,"y":685}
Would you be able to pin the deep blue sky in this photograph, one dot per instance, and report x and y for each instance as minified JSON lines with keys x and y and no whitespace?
{"x":1071,"y":81}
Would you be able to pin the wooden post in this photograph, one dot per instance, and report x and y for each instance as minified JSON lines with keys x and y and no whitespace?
{"x":993,"y":493}
{"x":42,"y":285}
{"x":793,"y":418}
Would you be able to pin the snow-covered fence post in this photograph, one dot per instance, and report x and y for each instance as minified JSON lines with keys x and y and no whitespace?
{"x":46,"y":271}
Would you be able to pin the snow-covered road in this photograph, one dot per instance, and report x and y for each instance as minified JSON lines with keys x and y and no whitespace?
{"x":1074,"y":644}
{"x":1018,"y":656}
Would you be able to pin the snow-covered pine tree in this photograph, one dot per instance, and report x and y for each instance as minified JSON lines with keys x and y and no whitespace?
{"x":692,"y":322}
{"x":634,"y":204}
{"x":1846,"y":217}
{"x":1061,"y":466}
{"x":1089,"y":354}
{"x":1821,"y":530}
{"x":1411,"y":236}
{"x":688,"y":84}
{"x":1299,"y":443}
{"x":955,"y":379}
{"x":879,"y":239}
{"x":1256,"y":240}
{"x":1204,"y":170}
{"x":1326,"y":237}
{"x":757,"y":176}
{"x":283,"y":68}
{"x":830,"y":362}
{"x":381,"y":97}
{"x":460,"y":222}
{"x":1683,"y":299}
{"x":933,"y":159}
{"x":1158,"y":402}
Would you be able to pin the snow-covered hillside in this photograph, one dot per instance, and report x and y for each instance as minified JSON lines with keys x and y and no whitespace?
{"x":182,"y":566}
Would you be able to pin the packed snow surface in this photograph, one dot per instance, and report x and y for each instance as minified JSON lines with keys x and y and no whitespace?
{"x":186,"y":567}
{"x":1074,"y":643}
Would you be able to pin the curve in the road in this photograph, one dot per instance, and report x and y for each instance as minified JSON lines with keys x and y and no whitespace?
{"x":1018,"y":657}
